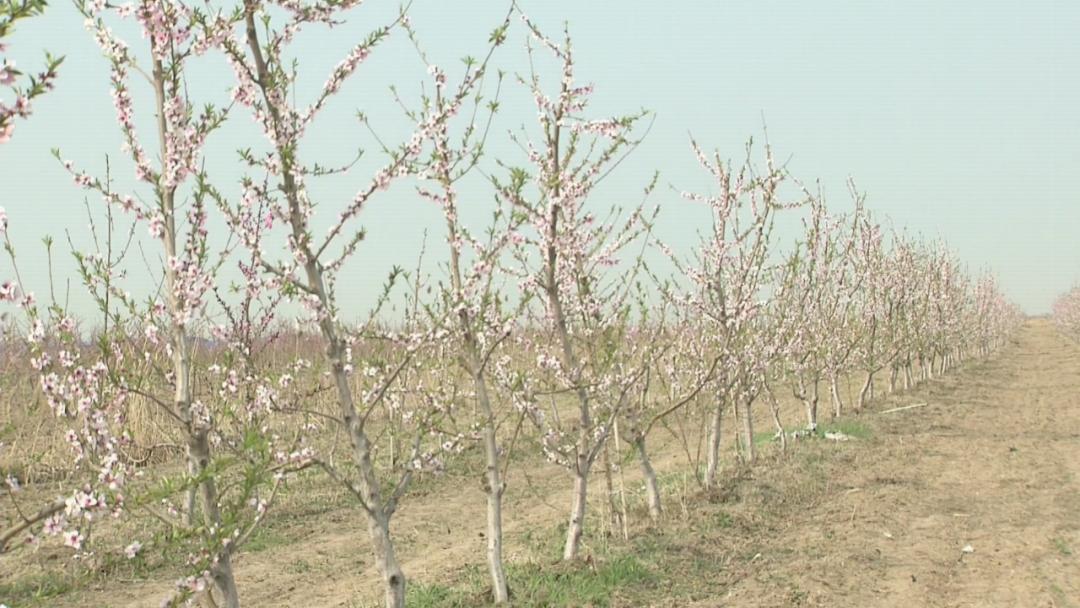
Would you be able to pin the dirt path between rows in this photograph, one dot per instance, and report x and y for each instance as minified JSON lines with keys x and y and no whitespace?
{"x":991,"y":463}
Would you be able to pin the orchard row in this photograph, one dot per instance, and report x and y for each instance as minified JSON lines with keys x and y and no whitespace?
{"x":558,"y":320}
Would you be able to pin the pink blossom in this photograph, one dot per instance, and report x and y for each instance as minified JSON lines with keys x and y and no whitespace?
{"x":157,"y":226}
{"x":7,"y":73}
{"x":9,"y":291}
{"x":53,"y":525}
{"x":73,"y":539}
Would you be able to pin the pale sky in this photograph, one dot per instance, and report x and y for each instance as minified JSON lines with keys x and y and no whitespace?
{"x":961,"y":120}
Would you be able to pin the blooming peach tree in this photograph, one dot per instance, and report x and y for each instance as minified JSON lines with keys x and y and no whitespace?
{"x":727,"y":285}
{"x":374,"y":390}
{"x":189,"y":350}
{"x":565,"y":257}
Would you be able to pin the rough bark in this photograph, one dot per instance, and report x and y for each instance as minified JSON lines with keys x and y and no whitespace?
{"x":747,"y":429}
{"x":618,"y":516}
{"x":494,"y":489}
{"x":652,"y":487}
{"x":199,"y":451}
{"x":867,"y":388}
{"x":774,"y":405}
{"x":834,"y":392}
{"x":811,"y":404}
{"x":375,"y":510}
{"x":712,"y":464}
{"x":576,"y":527}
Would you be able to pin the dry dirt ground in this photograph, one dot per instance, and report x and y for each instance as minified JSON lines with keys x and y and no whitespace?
{"x":991,"y":464}
{"x":970,"y":500}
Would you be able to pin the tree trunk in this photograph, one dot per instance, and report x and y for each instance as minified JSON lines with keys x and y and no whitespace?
{"x":378,"y":519}
{"x":192,"y":497}
{"x":834,"y":390}
{"x":494,"y":489}
{"x":747,"y":430}
{"x":375,"y":510}
{"x":386,"y":560}
{"x":499,"y":591}
{"x":576,"y":526}
{"x":811,"y":408}
{"x":712,"y":465}
{"x":893,"y":371}
{"x":624,"y":518}
{"x":652,"y":488}
{"x":774,"y":405}
{"x":866,"y":390}
{"x":617,"y":519}
{"x":199,"y":459}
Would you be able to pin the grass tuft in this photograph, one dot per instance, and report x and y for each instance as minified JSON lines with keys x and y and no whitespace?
{"x":423,"y":595}
{"x":1062,"y":546}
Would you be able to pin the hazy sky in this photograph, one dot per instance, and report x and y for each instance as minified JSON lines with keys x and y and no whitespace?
{"x":960,"y":119}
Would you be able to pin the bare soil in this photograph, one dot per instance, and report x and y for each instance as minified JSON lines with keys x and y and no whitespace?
{"x":970,"y":500}
{"x":991,"y":464}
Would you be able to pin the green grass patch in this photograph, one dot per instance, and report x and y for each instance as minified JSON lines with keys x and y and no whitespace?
{"x":36,"y":590}
{"x":422,"y":595}
{"x":546,"y":543}
{"x":1060,"y":595}
{"x":852,"y":428}
{"x":724,"y":520}
{"x":1062,"y":546}
{"x":764,"y":437}
{"x":537,"y":585}
{"x":576,"y":584}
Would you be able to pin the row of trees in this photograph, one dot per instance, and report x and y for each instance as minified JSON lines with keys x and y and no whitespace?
{"x":557,"y":319}
{"x":1066,"y":312}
